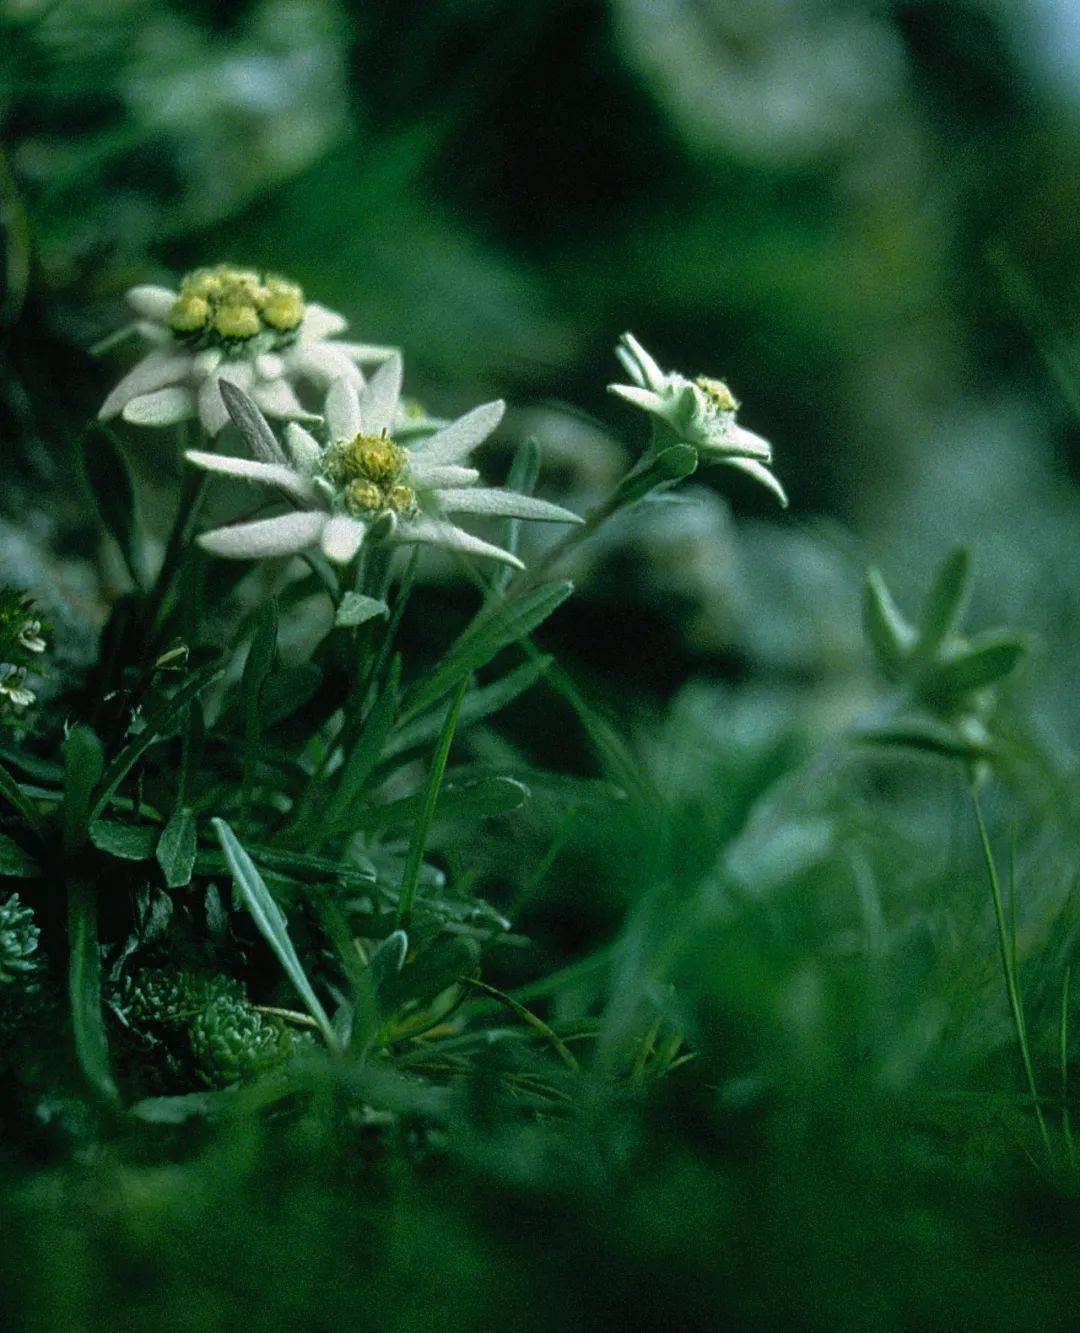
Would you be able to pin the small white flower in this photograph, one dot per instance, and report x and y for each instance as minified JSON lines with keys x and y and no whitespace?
{"x":13,"y":686}
{"x":253,"y":330}
{"x":363,"y":485}
{"x":700,"y":413}
{"x":30,"y":637}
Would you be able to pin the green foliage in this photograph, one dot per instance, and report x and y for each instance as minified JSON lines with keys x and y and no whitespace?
{"x":232,"y":1042}
{"x":19,"y":938}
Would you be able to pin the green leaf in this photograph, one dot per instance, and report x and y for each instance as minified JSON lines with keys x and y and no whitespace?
{"x":485,"y":798}
{"x":177,"y":847}
{"x":478,"y":704}
{"x":435,"y":970}
{"x":301,"y":866}
{"x":341,"y":813}
{"x":13,"y":794}
{"x":84,"y":762}
{"x":127,"y":842}
{"x":668,"y":466}
{"x":495,"y":628}
{"x":84,"y":988}
{"x":287,"y":690}
{"x":355,"y":609}
{"x":251,"y":424}
{"x":928,"y":735}
{"x":982,"y":662}
{"x":14,"y":862}
{"x":272,"y":925}
{"x":257,"y":667}
{"x":109,"y":481}
{"x":524,"y":474}
{"x":158,"y":724}
{"x":411,"y":875}
{"x":889,"y":633}
{"x":945,"y":603}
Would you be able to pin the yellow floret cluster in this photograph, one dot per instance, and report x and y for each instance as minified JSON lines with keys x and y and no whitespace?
{"x":226,"y":305}
{"x":718,"y":394}
{"x":368,"y":472}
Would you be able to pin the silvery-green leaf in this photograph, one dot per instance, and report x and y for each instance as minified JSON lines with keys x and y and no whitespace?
{"x":760,"y":473}
{"x":251,"y":424}
{"x":176,"y":849}
{"x":945,"y":603}
{"x":127,"y":842}
{"x":980,"y":663}
{"x":889,"y":633}
{"x":355,"y":609}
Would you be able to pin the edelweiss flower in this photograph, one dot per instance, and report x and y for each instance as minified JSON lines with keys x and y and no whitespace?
{"x":363,"y":485}
{"x":253,"y":330}
{"x":13,"y":686}
{"x":700,"y":413}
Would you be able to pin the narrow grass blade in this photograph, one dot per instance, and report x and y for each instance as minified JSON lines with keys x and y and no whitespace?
{"x":13,"y":794}
{"x":527,"y":1016}
{"x":495,"y":628}
{"x":411,"y":877}
{"x":157,"y":725}
{"x":272,"y":925}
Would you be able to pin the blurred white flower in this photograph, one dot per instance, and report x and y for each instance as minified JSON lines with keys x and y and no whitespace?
{"x":362,"y":485}
{"x":700,"y":413}
{"x":13,"y":686}
{"x":236,"y":325}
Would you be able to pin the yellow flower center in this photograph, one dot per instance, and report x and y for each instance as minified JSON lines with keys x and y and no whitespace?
{"x":226,"y":306}
{"x":718,"y":394}
{"x":368,"y":470}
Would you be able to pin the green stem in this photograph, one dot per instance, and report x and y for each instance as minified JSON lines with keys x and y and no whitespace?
{"x":1011,"y":986}
{"x":191,"y":496}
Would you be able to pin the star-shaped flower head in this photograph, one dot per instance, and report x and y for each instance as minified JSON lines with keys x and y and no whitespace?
{"x":362,"y":485}
{"x":254,"y":330}
{"x":700,"y":413}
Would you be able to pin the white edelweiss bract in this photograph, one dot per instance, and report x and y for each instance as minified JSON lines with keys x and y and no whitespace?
{"x":700,"y":413}
{"x":255,"y":331}
{"x":362,"y":485}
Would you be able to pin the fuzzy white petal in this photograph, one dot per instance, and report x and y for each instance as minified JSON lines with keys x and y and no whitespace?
{"x":212,"y":410}
{"x":379,"y":399}
{"x":303,"y":448}
{"x":647,"y":372}
{"x":643,"y":398}
{"x":761,"y":473}
{"x":319,"y":322}
{"x":269,"y":366}
{"x":462,"y":436}
{"x":278,"y":399}
{"x":367,"y":353}
{"x":206,"y":362}
{"x":154,"y":371}
{"x":288,"y":534}
{"x":165,"y":407}
{"x":267,"y":474}
{"x":342,"y":537}
{"x":320,"y":362}
{"x":426,"y":531}
{"x":151,"y":302}
{"x":342,"y":410}
{"x":505,"y":504}
{"x":428,"y":474}
{"x":745,"y":442}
